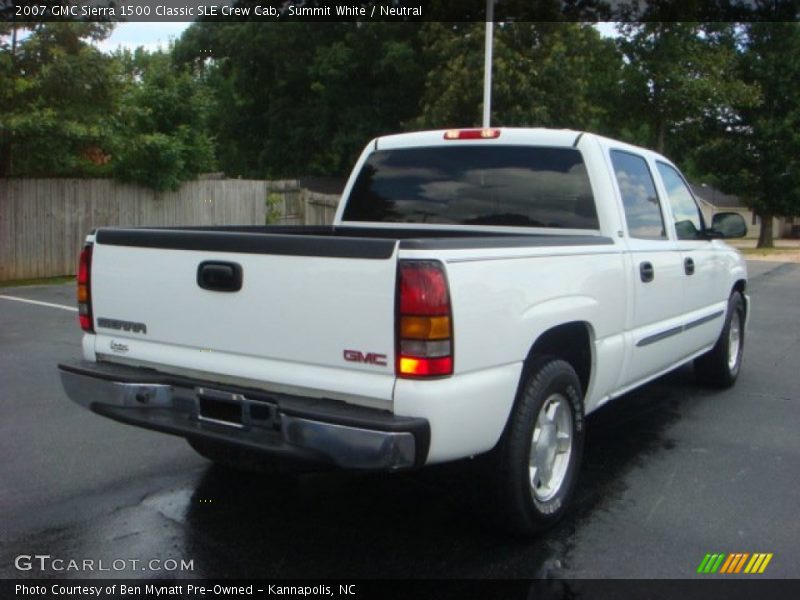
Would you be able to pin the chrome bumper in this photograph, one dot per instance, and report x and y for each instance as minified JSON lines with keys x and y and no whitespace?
{"x":311,"y":430}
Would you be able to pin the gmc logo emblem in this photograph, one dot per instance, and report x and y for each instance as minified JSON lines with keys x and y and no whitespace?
{"x":370,"y":358}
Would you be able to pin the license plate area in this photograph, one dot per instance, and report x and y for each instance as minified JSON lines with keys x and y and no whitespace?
{"x":220,"y":407}
{"x":221,"y":411}
{"x":235,"y":410}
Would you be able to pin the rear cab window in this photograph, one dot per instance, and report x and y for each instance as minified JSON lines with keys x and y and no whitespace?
{"x":516,"y":186}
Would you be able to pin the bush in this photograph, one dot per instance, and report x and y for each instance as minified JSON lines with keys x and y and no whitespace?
{"x":154,"y":160}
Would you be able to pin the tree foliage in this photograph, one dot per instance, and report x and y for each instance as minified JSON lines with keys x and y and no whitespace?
{"x":163,"y":136}
{"x":68,"y":109}
{"x":756,"y":154}
{"x":544,"y":75}
{"x":677,"y":76}
{"x":58,"y":91}
{"x":273,"y":100}
{"x":302,"y":98}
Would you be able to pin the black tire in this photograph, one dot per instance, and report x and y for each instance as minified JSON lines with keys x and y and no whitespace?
{"x":240,"y":459}
{"x":523,"y":506}
{"x":719,"y":367}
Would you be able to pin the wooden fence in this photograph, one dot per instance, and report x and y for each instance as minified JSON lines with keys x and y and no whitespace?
{"x":288,"y":203}
{"x":43,"y":222}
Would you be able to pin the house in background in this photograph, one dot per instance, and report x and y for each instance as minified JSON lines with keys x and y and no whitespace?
{"x":713,"y":201}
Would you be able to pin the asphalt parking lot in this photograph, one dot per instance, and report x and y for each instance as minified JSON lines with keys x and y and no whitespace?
{"x":671,"y":472}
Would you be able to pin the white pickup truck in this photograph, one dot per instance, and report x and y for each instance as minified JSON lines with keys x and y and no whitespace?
{"x":479,"y":292}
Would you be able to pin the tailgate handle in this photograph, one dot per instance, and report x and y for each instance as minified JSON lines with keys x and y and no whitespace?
{"x":219,"y":276}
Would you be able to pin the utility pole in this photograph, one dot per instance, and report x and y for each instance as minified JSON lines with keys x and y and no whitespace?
{"x":487,"y":64}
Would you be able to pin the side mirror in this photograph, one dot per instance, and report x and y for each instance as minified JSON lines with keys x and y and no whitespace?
{"x":728,"y":225}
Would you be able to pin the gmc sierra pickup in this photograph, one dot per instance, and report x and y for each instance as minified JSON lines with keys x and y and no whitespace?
{"x":479,"y":292}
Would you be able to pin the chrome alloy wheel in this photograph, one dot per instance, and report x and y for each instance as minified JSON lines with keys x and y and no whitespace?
{"x":734,"y":340}
{"x":551,"y":447}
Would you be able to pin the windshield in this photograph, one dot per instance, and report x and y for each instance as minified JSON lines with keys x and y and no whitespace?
{"x":520,"y":186}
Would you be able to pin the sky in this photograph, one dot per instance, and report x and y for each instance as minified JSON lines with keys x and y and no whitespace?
{"x":150,"y":35}
{"x":155,"y":35}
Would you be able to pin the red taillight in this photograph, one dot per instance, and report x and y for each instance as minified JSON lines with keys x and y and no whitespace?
{"x":85,"y":289}
{"x":425,"y":367}
{"x":424,"y":328}
{"x":471,"y":134}
{"x":423,"y":290}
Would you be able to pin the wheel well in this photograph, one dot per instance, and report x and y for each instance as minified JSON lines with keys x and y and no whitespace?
{"x":740,"y":286}
{"x":570,"y":342}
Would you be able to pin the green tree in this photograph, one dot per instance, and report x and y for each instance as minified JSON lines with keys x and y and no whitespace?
{"x":57,"y":93}
{"x":544,"y":74}
{"x":161,"y":127}
{"x":676,"y":77}
{"x":756,"y":151}
{"x":295,"y":99}
{"x":365,"y":84}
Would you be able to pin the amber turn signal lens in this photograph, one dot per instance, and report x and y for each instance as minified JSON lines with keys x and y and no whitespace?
{"x":425,"y":328}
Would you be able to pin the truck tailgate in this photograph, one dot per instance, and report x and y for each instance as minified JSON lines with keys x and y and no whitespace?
{"x":313,"y":312}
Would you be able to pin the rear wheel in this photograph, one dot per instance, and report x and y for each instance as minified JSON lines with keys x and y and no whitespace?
{"x":720,"y":366}
{"x":536,"y":463}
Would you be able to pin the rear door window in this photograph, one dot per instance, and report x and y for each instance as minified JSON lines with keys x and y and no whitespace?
{"x":639,"y":197}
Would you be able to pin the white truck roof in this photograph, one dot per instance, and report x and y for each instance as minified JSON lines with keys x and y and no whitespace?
{"x":508,"y":135}
{"x":538,"y":136}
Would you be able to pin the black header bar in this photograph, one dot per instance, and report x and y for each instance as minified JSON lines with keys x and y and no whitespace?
{"x":739,"y":588}
{"x":280,"y":11}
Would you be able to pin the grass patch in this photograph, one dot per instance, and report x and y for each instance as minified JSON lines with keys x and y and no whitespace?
{"x":44,"y":281}
{"x":767,"y":251}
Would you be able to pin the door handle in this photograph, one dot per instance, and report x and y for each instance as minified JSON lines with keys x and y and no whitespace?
{"x":646,"y":272}
{"x":219,"y":276}
{"x":688,"y":266}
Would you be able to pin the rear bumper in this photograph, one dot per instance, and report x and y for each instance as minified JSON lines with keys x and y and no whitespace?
{"x":321,"y":431}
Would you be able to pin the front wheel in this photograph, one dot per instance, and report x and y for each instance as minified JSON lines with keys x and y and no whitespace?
{"x":537,"y":461}
{"x":720,"y":366}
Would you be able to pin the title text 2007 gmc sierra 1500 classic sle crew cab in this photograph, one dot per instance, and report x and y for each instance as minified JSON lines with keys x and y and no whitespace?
{"x":479,"y":292}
